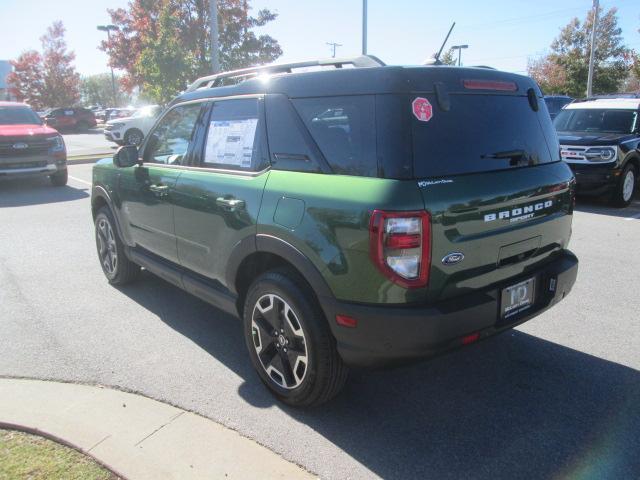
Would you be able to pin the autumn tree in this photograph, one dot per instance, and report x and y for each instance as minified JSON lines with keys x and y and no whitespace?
{"x":149,"y":46}
{"x":61,"y":81}
{"x":566,"y":68}
{"x":26,"y":80}
{"x":449,"y":58}
{"x":48,"y":79}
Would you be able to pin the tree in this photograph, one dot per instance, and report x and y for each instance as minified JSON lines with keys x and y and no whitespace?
{"x":26,"y":79}
{"x":61,"y":81}
{"x":98,"y":90}
{"x":164,"y":67}
{"x":566,"y":68}
{"x":147,"y":46}
{"x":449,"y":58}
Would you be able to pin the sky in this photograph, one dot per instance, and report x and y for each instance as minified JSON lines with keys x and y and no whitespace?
{"x":504,"y":34}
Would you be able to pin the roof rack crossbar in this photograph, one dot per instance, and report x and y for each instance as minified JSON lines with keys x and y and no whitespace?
{"x":358,"y":62}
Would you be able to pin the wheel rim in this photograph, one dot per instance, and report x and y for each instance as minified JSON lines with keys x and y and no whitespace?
{"x":107,"y":246}
{"x":134,"y":139}
{"x":627,"y":185}
{"x":279,"y":341}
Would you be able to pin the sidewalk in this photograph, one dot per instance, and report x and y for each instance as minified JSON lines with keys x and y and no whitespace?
{"x":136,"y":437}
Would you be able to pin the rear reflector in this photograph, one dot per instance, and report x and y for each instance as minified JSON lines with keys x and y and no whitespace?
{"x":346,"y":321}
{"x":490,"y":85}
{"x":471,"y":338}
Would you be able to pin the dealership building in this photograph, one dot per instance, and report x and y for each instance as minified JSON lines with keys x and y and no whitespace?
{"x":5,"y":69}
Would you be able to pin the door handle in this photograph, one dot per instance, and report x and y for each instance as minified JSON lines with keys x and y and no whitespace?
{"x":229,"y":202}
{"x":160,"y":190}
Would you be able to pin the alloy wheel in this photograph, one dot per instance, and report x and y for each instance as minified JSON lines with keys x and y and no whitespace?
{"x":279,"y":341}
{"x":107,"y":246}
{"x":628,"y":185}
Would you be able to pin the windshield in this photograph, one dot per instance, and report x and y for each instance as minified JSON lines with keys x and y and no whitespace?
{"x":596,"y":120}
{"x":149,"y":111}
{"x":18,"y":116}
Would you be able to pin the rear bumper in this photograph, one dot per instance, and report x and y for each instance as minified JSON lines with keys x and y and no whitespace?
{"x":394,"y":334}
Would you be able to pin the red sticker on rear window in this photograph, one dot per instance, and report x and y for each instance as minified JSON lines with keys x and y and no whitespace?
{"x":422,"y":109}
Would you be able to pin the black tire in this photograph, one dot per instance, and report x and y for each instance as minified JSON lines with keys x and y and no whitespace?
{"x":324,"y":373}
{"x":621,"y":196}
{"x":59,"y":179}
{"x":133,"y":136}
{"x":121,"y":270}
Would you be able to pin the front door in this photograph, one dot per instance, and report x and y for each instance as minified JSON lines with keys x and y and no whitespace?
{"x":218,"y":199}
{"x":147,"y":191}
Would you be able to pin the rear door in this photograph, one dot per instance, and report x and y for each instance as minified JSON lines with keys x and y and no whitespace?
{"x":489,"y":171}
{"x":147,"y":191}
{"x":218,"y":197}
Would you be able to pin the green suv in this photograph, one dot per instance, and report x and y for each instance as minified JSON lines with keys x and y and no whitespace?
{"x":353,"y":214}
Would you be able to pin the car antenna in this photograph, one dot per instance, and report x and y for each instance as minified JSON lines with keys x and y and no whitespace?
{"x":437,"y":57}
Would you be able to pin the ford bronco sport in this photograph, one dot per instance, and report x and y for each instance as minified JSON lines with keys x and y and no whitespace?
{"x":349,"y":216}
{"x":600,"y":140}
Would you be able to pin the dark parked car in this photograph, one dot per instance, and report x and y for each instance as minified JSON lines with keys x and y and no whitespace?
{"x":344,"y":215}
{"x":555,"y":103}
{"x":600,"y":140}
{"x":71,"y":119}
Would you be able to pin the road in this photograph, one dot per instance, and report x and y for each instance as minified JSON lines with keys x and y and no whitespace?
{"x":556,"y":398}
{"x":91,"y":142}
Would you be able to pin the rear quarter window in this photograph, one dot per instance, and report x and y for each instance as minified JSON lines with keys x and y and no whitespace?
{"x":344,"y":128}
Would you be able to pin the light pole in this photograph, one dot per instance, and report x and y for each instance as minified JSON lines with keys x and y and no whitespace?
{"x":593,"y":48}
{"x":213,"y":15}
{"x":334,"y":45}
{"x":459,"y":48}
{"x":364,"y":27}
{"x":108,"y":29}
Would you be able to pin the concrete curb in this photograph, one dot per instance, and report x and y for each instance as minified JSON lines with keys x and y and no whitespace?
{"x":81,"y":159}
{"x":134,"y":436}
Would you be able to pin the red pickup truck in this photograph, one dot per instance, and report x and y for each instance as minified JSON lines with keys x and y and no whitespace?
{"x":28,"y":147}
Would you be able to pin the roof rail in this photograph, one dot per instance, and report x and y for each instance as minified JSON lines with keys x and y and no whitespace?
{"x":211,"y":80}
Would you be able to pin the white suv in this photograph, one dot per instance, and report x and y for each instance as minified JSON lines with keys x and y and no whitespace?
{"x":132,"y":130}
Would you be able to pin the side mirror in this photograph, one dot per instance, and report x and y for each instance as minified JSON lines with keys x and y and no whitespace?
{"x":126,"y":156}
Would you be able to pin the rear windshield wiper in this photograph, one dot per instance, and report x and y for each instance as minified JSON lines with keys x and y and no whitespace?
{"x":516,"y":157}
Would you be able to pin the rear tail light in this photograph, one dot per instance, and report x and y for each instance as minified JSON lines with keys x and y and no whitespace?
{"x":490,"y":85}
{"x":400,"y":246}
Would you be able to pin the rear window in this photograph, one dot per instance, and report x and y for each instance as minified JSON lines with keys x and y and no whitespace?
{"x":344,"y":128}
{"x":480,"y":133}
{"x":596,"y":120}
{"x":18,"y":116}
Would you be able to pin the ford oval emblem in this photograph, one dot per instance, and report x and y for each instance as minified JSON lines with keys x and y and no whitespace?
{"x":453,"y":258}
{"x":20,"y":146}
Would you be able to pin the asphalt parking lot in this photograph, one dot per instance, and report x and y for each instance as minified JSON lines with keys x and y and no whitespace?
{"x":556,"y":398}
{"x":91,"y":142}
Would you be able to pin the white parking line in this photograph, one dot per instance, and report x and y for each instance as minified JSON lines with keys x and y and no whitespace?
{"x":80,"y":180}
{"x":633,"y":217}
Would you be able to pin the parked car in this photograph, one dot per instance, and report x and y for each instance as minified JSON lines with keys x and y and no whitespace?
{"x":71,"y":119}
{"x":132,"y":130}
{"x":111,"y":113}
{"x":344,"y":215}
{"x":600,"y":141}
{"x":28,"y":147}
{"x":556,"y":102}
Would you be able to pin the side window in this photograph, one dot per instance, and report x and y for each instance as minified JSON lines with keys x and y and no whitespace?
{"x":345,"y":130}
{"x":291,"y":146}
{"x":234,"y":138}
{"x":172,"y":136}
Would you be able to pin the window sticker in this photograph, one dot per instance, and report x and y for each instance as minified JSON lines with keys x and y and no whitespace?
{"x":230,"y":142}
{"x":422,"y":109}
